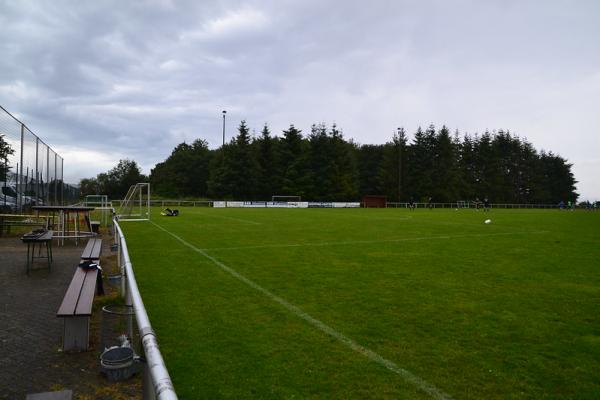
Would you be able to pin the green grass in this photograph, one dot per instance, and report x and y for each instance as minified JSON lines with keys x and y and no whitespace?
{"x":506,"y":310}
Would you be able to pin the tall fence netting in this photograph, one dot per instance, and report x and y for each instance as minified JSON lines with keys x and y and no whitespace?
{"x":31,"y":173}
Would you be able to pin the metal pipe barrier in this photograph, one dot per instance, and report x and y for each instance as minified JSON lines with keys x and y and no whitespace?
{"x":157,"y":382}
{"x":466,"y":204}
{"x":472,"y":205}
{"x":171,"y":203}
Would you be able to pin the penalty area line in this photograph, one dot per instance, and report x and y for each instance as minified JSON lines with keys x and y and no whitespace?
{"x":408,"y":376}
{"x":353,"y":242}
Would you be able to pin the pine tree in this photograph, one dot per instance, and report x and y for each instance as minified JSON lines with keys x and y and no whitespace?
{"x":369,"y":158}
{"x":484,"y":168}
{"x":220,"y":181}
{"x":265,"y":150}
{"x":235,"y":171}
{"x":244,"y":167}
{"x":321,"y":163}
{"x":293,"y":154}
{"x":344,"y":172}
{"x":468,"y":167}
{"x":421,"y":164}
{"x":393,"y":168}
{"x":445,"y":176}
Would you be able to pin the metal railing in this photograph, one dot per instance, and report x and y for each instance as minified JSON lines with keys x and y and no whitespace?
{"x":472,"y":205}
{"x":157,"y":382}
{"x":167,"y":203}
{"x":209,"y":203}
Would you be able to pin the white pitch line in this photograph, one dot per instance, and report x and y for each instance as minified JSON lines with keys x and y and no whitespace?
{"x":370,"y":354}
{"x":352,"y":242}
{"x":235,"y":219}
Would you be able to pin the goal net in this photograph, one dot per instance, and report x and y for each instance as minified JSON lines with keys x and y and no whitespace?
{"x":285,"y":199}
{"x":136,"y":205}
{"x":96,"y":200}
{"x":462,"y":204}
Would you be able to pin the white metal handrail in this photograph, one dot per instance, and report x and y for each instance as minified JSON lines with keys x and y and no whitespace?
{"x":162,"y":387}
{"x":390,"y":204}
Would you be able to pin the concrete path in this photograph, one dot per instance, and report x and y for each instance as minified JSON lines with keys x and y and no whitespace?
{"x":31,"y":359}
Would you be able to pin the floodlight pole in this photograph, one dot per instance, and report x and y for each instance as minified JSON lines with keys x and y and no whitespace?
{"x":224,"y":112}
{"x":399,"y":165}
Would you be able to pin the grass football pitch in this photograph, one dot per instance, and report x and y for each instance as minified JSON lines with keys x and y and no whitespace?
{"x":373,"y":303}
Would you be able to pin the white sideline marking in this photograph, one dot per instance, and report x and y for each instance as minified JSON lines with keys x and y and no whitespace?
{"x":390,"y":365}
{"x":351,"y":242}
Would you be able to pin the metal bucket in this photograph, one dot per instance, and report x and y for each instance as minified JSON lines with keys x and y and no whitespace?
{"x":115,"y":280}
{"x":118,"y":363}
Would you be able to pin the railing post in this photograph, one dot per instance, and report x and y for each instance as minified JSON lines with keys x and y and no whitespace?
{"x":147,"y":386}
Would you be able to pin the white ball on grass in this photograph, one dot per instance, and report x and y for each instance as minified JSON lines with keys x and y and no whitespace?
{"x":487,"y":221}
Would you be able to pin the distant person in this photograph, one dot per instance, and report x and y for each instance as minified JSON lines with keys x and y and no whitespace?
{"x":486,"y":204}
{"x":430,"y":202}
{"x":411,"y":205}
{"x":561,"y":205}
{"x":476,"y":203}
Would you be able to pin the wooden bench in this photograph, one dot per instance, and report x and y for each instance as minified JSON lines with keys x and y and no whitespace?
{"x":92,"y":250}
{"x":95,"y":226}
{"x":76,"y":307}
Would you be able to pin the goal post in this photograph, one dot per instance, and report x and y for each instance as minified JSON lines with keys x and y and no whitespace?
{"x":136,"y":205}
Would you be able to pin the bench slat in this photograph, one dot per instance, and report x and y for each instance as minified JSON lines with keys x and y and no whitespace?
{"x":97,"y":248}
{"x":88,"y":249}
{"x":86,"y":297}
{"x":92,"y":249}
{"x":69,"y":303}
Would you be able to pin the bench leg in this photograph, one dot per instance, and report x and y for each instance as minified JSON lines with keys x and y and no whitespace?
{"x":28,"y":259}
{"x":49,"y":254}
{"x":76,"y":333}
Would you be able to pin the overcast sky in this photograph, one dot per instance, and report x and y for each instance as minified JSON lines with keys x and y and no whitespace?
{"x":104,"y":80}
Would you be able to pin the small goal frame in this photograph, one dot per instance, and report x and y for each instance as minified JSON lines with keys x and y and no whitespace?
{"x":285,"y":198}
{"x":136,"y":205}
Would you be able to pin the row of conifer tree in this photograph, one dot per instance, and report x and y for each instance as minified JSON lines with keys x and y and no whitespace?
{"x":324,"y":166}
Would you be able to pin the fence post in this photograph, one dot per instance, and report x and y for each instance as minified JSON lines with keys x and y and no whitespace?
{"x":147,"y":386}
{"x":20,"y":198}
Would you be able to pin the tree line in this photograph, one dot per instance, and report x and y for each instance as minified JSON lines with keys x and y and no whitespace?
{"x":325,"y":166}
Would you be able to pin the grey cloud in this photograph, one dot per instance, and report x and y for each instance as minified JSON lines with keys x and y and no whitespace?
{"x":136,"y":78}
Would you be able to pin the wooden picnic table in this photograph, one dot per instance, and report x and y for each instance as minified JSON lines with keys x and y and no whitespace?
{"x":59,"y":217}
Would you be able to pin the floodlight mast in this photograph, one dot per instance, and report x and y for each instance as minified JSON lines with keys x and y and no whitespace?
{"x":399,"y":164}
{"x":224,"y":112}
